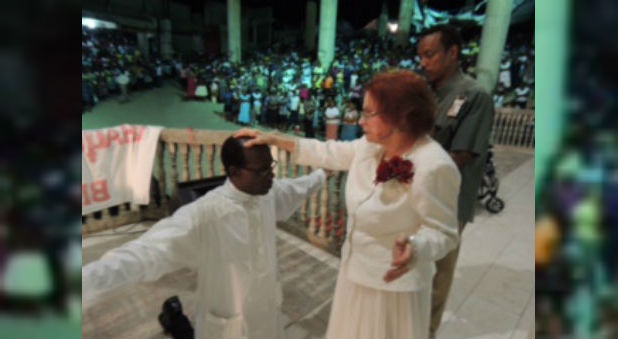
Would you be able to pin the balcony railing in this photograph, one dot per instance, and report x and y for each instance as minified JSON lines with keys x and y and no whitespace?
{"x":513,"y":127}
{"x":184,"y":155}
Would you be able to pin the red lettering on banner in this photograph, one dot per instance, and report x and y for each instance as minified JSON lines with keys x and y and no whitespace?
{"x":99,"y":191}
{"x":140,"y":134}
{"x":95,"y":192}
{"x":85,"y":195}
{"x":127,"y":135}
{"x":133,"y":133}
{"x":103,"y":140}
{"x":113,"y":135}
{"x":92,"y":147}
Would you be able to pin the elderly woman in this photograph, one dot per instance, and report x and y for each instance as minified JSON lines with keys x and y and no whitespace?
{"x":401,"y":197}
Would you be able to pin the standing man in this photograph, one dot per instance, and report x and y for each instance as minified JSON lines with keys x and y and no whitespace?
{"x":463,"y":123}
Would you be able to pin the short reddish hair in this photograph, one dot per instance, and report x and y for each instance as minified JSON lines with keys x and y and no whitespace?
{"x":405,"y":100}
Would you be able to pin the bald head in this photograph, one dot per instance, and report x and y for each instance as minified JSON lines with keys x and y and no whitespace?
{"x":249,"y":168}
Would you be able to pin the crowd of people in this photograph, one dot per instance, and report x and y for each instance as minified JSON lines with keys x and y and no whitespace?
{"x":113,"y":65}
{"x":293,"y":92}
{"x":280,"y":87}
{"x":516,"y":79}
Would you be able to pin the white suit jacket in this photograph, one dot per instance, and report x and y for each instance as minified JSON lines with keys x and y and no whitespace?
{"x":228,"y":237}
{"x":378,"y":213}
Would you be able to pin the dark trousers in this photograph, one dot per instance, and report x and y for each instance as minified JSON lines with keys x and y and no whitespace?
{"x":293,"y":119}
{"x":308,"y":128}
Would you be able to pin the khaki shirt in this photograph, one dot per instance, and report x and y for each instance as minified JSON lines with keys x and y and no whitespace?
{"x":467,"y":130}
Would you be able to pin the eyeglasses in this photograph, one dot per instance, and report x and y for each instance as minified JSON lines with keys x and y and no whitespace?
{"x":263,"y":171}
{"x":368,"y":115}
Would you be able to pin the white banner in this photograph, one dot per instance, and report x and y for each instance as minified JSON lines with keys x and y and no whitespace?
{"x":117,"y":165}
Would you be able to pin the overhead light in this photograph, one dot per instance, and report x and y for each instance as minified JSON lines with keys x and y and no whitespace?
{"x":90,"y":23}
{"x":392,"y":27}
{"x":96,"y":23}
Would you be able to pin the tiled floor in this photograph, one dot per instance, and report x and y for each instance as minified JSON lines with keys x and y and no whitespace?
{"x":493,"y":292}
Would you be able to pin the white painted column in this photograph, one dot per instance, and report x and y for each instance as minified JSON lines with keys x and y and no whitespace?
{"x":198,"y":43}
{"x":255,"y":34}
{"x":166,"y":38}
{"x":383,"y":20}
{"x":406,"y":8}
{"x":233,"y":30}
{"x":552,"y":27}
{"x":493,"y":38}
{"x":328,"y":31}
{"x":142,"y":44}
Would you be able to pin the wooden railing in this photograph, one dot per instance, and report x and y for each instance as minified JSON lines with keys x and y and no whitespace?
{"x":184,"y":155}
{"x":513,"y":127}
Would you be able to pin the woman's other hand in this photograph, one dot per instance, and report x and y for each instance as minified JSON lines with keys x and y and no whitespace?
{"x":402,"y":259}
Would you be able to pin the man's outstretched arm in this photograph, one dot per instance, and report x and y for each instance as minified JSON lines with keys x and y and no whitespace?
{"x":170,"y":244}
{"x":290,"y":194}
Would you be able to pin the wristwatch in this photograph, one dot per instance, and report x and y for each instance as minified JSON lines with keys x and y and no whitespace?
{"x":411,"y":240}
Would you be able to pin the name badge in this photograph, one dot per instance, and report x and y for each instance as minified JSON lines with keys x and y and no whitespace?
{"x":454,"y":110}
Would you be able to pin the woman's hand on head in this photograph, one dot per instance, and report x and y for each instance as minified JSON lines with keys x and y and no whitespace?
{"x":258,"y":138}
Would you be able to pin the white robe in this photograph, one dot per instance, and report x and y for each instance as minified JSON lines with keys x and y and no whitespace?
{"x":228,"y":236}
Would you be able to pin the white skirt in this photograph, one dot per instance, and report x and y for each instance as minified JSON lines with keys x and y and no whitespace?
{"x":363,"y":312}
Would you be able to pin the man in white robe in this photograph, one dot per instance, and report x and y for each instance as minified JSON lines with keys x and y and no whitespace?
{"x":228,"y":237}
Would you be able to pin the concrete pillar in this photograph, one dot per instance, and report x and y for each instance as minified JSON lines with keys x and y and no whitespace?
{"x":233,"y":30}
{"x":328,"y":30}
{"x":383,"y":20}
{"x":310,"y":25}
{"x":142,"y":44}
{"x":255,"y":34}
{"x":198,"y":43}
{"x":223,"y":39}
{"x":551,"y":26}
{"x":244,"y":31}
{"x":493,"y":38}
{"x":166,"y":38}
{"x":406,"y":9}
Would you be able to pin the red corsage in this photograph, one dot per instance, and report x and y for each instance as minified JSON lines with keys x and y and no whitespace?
{"x":396,"y":168}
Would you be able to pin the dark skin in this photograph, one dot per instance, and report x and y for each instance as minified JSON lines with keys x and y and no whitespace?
{"x":256,"y":177}
{"x":462,"y":158}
